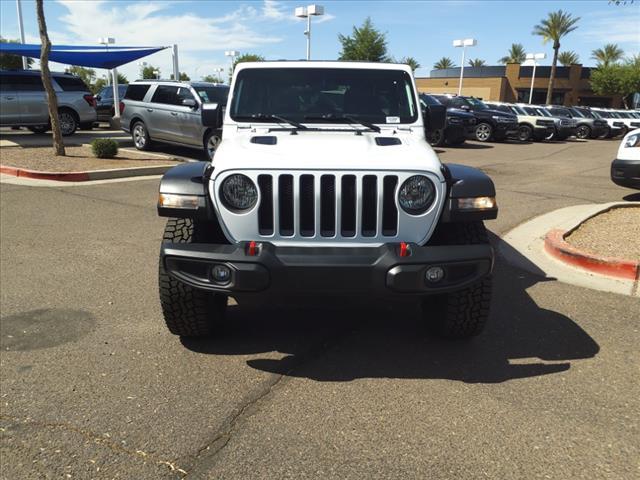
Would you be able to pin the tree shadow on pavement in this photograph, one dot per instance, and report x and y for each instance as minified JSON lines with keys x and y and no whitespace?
{"x":342,"y":343}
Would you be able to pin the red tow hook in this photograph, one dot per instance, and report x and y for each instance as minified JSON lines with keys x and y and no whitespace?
{"x":252,"y":249}
{"x":405,"y":249}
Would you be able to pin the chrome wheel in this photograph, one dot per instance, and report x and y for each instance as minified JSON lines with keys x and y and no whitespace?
{"x":67,"y":123}
{"x":212,"y":145}
{"x":583,"y":132}
{"x":483,"y":132}
{"x":139,"y":136}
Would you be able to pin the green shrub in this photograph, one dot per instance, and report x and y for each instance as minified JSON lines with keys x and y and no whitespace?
{"x":104,"y":147}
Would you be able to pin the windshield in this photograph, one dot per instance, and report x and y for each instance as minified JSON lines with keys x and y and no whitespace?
{"x":217,"y":95}
{"x":429,"y":100}
{"x":477,"y":104}
{"x":603,"y":114}
{"x":624,"y":115}
{"x":518,"y":110}
{"x":312,"y":94}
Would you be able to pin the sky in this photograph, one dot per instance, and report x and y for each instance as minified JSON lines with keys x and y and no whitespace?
{"x":205,"y":29}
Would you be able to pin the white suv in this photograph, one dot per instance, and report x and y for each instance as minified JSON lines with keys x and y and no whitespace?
{"x":325,"y":185}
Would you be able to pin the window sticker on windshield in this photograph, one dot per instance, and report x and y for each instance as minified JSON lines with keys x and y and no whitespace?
{"x":393,"y":119}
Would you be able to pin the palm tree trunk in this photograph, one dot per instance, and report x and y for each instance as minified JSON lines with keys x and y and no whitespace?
{"x":552,"y":77}
{"x":52,"y":100}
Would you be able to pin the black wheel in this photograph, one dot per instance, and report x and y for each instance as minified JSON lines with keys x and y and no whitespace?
{"x":39,"y":130}
{"x":187,"y":311}
{"x":436,"y":137}
{"x":483,"y":132}
{"x":583,"y":132}
{"x":524,"y":133}
{"x":68,"y":123}
{"x":140,"y":136}
{"x":463,"y":313}
{"x":211,"y":142}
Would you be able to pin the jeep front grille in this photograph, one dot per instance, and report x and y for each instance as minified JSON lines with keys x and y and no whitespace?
{"x":301,"y":207}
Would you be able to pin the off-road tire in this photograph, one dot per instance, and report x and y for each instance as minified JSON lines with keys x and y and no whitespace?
{"x":211,"y":142}
{"x":436,"y":137}
{"x":525,"y":133}
{"x":187,"y":311}
{"x":463,"y":313}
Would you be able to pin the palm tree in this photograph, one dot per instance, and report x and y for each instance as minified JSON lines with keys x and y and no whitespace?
{"x":516,"y":54}
{"x":52,"y":100}
{"x":476,"y":62}
{"x":412,"y":62}
{"x":553,"y":28}
{"x":610,"y":54}
{"x":568,"y":58}
{"x":444,"y":62}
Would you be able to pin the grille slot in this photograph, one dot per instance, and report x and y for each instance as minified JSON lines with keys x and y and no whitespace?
{"x":285,"y":196}
{"x":348,"y":206}
{"x":389,"y":210}
{"x":327,"y":206}
{"x":265,"y":211}
{"x":307,"y":216}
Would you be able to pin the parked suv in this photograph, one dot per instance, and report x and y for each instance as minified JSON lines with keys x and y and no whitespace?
{"x":588,"y":126}
{"x":104,"y":102}
{"x":490,"y":124}
{"x":530,"y":127}
{"x":563,"y":127}
{"x":324,"y":185}
{"x":23,"y":101}
{"x":460,"y":125}
{"x":167,"y":111}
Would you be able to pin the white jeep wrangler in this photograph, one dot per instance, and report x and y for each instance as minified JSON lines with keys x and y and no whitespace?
{"x":325,"y":184}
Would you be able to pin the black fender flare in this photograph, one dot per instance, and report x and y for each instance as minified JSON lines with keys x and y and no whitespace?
{"x":466,"y":182}
{"x":188,"y":179}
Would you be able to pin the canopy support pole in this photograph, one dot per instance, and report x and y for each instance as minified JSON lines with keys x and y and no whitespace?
{"x":116,"y":98}
{"x":176,"y":69}
{"x":25,"y":64}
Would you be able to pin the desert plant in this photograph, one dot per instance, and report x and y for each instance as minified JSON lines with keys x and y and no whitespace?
{"x":516,"y":54}
{"x":568,"y":58}
{"x":444,"y":62}
{"x":104,"y":147}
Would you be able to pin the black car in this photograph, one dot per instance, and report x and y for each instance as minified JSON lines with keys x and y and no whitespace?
{"x":104,"y":102}
{"x":460,"y":125}
{"x":490,"y":124}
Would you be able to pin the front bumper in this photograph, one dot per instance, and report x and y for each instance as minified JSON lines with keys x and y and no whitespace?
{"x":506,"y":129}
{"x":626,"y":173}
{"x":321,"y":270}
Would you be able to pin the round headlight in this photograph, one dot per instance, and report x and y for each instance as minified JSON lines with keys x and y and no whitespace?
{"x":238,"y":192}
{"x":632,"y":140}
{"x":416,"y":194}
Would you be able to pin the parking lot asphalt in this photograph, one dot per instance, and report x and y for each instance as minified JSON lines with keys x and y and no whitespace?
{"x":93,"y":385}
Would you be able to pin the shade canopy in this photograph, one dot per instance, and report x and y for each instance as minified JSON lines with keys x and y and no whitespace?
{"x":84,"y":56}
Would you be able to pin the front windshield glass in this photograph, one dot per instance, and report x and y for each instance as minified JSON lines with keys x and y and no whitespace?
{"x":603,"y":114}
{"x":624,"y":115}
{"x":532,"y":111}
{"x":518,"y":110}
{"x":577,"y":113}
{"x":477,"y":104}
{"x":544,"y":112}
{"x":316,"y":95}
{"x":429,"y":100}
{"x":217,"y":95}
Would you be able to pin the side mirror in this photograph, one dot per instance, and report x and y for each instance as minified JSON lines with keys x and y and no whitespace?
{"x":189,"y":102}
{"x":435,"y":117}
{"x":211,"y":115}
{"x":465,"y":107}
{"x":98,"y":98}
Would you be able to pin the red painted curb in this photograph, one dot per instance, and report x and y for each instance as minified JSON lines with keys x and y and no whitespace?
{"x":555,"y":244}
{"x":59,"y":176}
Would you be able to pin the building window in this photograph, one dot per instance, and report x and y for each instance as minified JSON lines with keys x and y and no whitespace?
{"x":540,"y":96}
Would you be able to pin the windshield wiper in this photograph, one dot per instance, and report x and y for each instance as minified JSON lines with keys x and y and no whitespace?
{"x":349,"y":118}
{"x":277,"y":118}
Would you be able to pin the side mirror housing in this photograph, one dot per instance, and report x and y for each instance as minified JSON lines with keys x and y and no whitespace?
{"x":98,"y":98}
{"x":211,"y":115}
{"x":435,"y":117}
{"x":189,"y":102}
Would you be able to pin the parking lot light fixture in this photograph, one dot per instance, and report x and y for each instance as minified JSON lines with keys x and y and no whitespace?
{"x":467,"y":42}
{"x":106,"y":41}
{"x":308,"y":12}
{"x":531,"y":60}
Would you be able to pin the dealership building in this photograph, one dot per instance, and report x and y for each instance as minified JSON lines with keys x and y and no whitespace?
{"x":512,"y":82}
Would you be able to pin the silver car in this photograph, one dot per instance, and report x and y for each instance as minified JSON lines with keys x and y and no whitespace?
{"x":23,"y":101}
{"x":171,"y":112}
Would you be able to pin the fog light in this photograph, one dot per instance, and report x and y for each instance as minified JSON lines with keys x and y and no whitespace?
{"x":221,"y":274}
{"x":434,"y":274}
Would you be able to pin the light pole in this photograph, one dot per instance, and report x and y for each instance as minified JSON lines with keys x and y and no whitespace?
{"x":467,"y":42}
{"x":25,"y":64}
{"x":531,"y":60}
{"x":232,"y":54}
{"x":106,"y":41}
{"x":219,"y":74}
{"x":308,"y":12}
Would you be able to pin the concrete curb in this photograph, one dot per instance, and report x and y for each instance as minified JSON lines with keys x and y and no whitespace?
{"x":86,"y":175}
{"x":555,"y":245}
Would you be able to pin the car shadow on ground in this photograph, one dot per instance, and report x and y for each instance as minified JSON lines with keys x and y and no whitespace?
{"x":341,"y":342}
{"x":632,"y":197}
{"x":471,"y":146}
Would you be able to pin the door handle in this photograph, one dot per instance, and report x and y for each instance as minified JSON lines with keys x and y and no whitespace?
{"x":149,"y":109}
{"x":174,"y":114}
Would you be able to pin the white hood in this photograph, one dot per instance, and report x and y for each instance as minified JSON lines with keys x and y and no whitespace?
{"x":322,"y":150}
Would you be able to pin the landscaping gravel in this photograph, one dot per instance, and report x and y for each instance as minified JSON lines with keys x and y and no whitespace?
{"x":615,"y":233}
{"x":78,"y":159}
